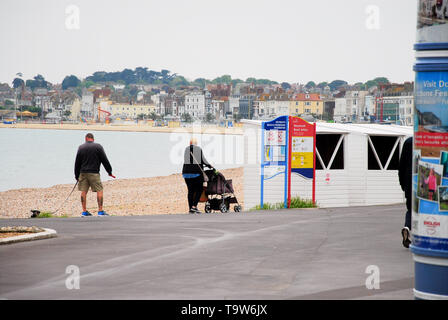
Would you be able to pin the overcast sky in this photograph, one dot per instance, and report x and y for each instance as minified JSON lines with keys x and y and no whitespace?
{"x":283,"y":40}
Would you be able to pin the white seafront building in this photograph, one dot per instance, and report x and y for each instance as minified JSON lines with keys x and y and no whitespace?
{"x":195,"y":104}
{"x":356,"y":165}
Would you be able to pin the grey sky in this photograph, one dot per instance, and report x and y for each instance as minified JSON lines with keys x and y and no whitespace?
{"x":283,"y":40}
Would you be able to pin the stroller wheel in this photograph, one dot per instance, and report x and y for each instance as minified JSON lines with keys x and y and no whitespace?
{"x":223,"y":207}
{"x":237,"y":208}
{"x":207,"y":208}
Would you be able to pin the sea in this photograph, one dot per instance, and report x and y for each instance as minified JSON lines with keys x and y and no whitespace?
{"x":39,"y":158}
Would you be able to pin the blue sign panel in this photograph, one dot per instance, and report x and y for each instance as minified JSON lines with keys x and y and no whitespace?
{"x":274,"y":148}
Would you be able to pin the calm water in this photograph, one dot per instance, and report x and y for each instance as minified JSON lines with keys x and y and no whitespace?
{"x":32,"y":158}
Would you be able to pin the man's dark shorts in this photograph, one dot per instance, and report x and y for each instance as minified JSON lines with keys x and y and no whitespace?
{"x":91,"y":180}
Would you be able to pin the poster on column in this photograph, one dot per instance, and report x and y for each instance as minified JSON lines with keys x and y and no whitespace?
{"x":302,"y":135}
{"x":430,"y":205}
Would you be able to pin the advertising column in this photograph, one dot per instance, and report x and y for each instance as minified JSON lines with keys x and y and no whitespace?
{"x":430,"y":164}
{"x":274,"y":146}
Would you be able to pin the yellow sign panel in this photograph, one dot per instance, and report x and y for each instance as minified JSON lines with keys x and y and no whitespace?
{"x":302,"y":160}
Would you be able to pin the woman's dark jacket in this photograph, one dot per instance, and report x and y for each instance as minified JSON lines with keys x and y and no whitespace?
{"x":194,"y":163}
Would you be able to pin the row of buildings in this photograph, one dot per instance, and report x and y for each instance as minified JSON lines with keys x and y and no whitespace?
{"x":392,"y":103}
{"x":217,"y":102}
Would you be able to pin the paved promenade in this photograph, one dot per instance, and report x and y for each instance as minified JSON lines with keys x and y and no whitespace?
{"x":293,"y":254}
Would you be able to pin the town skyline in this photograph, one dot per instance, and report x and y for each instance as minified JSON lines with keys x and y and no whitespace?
{"x":143,"y":94}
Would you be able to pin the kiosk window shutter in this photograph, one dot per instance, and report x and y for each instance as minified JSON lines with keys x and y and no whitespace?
{"x":383,"y":152}
{"x":329,"y":152}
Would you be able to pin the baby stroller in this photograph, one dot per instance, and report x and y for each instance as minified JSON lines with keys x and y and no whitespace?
{"x":220,"y":193}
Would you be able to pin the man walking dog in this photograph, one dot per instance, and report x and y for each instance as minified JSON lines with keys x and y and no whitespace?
{"x":89,"y":158}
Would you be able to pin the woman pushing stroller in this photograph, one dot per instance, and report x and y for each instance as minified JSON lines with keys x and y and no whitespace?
{"x":193,"y":173}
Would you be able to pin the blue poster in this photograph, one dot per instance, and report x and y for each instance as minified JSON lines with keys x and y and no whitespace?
{"x":430,"y":206}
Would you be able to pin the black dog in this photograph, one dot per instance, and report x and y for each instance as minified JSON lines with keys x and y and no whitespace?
{"x":35,"y":213}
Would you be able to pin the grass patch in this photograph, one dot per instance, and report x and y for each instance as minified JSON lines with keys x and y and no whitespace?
{"x":302,"y":203}
{"x":296,"y":202}
{"x":269,"y":206}
{"x":44,"y":215}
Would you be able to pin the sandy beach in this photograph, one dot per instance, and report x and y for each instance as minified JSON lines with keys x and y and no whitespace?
{"x":125,"y":127}
{"x":142,"y":196}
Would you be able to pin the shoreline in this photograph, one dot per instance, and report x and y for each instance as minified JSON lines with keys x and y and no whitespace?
{"x":127,"y":128}
{"x":122,"y":197}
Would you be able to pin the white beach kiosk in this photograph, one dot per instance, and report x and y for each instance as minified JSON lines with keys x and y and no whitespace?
{"x":356,"y":165}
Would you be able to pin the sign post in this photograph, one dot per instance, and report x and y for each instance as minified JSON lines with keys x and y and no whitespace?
{"x":274,"y":148}
{"x":302,"y":152}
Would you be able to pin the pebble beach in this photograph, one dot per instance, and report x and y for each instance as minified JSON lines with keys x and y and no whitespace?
{"x":122,"y":197}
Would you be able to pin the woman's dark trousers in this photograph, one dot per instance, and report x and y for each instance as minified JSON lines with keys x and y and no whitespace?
{"x":194,"y":186}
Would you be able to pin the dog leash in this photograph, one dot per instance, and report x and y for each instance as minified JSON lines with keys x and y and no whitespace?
{"x":66,"y":198}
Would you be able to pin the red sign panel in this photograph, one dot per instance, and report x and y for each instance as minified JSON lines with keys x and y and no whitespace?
{"x":431,"y":139}
{"x":302,"y":154}
{"x":300,"y":128}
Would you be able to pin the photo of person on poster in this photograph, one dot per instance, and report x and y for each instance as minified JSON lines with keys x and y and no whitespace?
{"x":429,"y":178}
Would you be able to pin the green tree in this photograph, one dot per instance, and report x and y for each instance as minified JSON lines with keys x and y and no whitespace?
{"x":376,"y":82}
{"x":87,"y":83}
{"x":7,"y":106}
{"x":322,"y":84}
{"x":310,"y":84}
{"x":153,"y":116}
{"x":32,"y":109}
{"x":237,"y":117}
{"x":225,"y":79}
{"x":78,"y":91}
{"x":382,"y":80}
{"x":17,"y":83}
{"x":186,"y":117}
{"x":285,"y":86}
{"x":209,"y":117}
{"x":200,"y":82}
{"x":265,"y":81}
{"x":70,"y":82}
{"x":37,"y":82}
{"x":360,"y":85}
{"x":335,"y":84}
{"x":131,"y":91}
{"x":235,"y":81}
{"x":179,"y":81}
{"x":369,"y":84}
{"x":128,"y":76}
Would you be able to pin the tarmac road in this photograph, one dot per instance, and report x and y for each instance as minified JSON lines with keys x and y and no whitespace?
{"x":287,"y":254}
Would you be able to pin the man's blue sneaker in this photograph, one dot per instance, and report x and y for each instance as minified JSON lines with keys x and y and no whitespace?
{"x":86,"y":214}
{"x":102,"y":213}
